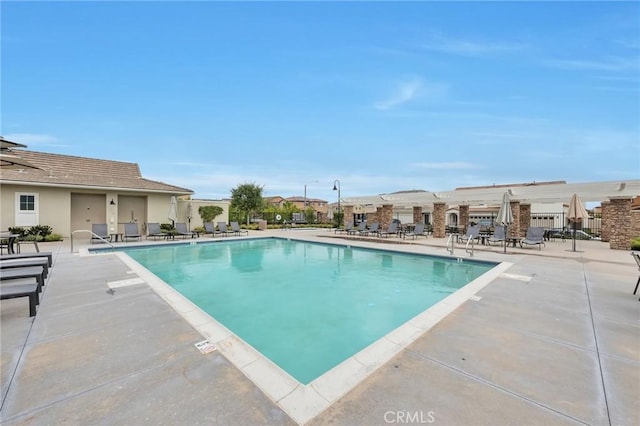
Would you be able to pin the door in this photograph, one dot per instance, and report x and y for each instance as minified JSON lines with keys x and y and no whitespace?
{"x":132,"y":208}
{"x":87,"y":209}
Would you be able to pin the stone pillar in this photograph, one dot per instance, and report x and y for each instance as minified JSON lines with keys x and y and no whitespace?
{"x":348,"y":215}
{"x":605,"y":221}
{"x":417,"y":214}
{"x":463,"y":220}
{"x":514,"y":228}
{"x":386,"y":216}
{"x":620,"y":231}
{"x":439,"y":224}
{"x":525,"y":218}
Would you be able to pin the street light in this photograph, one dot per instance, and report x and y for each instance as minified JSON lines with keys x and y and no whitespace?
{"x":336,"y":187}
{"x":305,"y":193}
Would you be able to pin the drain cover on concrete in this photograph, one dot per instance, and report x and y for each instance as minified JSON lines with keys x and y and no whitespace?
{"x":205,"y":347}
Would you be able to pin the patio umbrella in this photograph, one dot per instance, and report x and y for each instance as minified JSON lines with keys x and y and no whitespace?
{"x":189,"y":214}
{"x":576,"y":214}
{"x":13,"y":162}
{"x":173,"y":210}
{"x":505,"y":217}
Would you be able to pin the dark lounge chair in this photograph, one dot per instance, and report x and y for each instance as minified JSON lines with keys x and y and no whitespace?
{"x":348,"y":227}
{"x":362,"y":226}
{"x":373,"y":229}
{"x":154,"y":231}
{"x":535,"y":235}
{"x":417,"y":231}
{"x":181,"y":229}
{"x":209,"y":228}
{"x":235,"y":228}
{"x":46,"y":254}
{"x":636,"y":256}
{"x":22,"y":263}
{"x":392,"y":229}
{"x":11,"y":274}
{"x":222,"y":229}
{"x":22,"y":290}
{"x":473,"y":233}
{"x":131,"y":231}
{"x":100,"y":232}
{"x":498,"y":236}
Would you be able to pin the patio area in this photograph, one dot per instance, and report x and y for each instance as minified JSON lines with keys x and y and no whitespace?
{"x":553,"y":340}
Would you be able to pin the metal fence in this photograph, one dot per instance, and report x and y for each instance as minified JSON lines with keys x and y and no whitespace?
{"x":559,"y":221}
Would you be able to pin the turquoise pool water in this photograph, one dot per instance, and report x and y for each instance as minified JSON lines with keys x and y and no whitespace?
{"x":306,"y":306}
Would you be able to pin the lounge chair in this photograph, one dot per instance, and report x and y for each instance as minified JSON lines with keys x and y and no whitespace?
{"x":417,"y":230}
{"x":222,"y":229}
{"x":235,"y":228}
{"x":535,"y":235}
{"x":131,"y":231}
{"x":11,"y":274}
{"x":392,"y":229}
{"x":373,"y":229}
{"x":154,"y":231}
{"x":209,"y":228}
{"x":22,"y":290}
{"x":498,"y":236}
{"x":636,"y":256}
{"x":43,"y":254}
{"x":181,"y":229}
{"x":473,"y":233}
{"x":100,"y":232}
{"x":22,"y":263}
{"x":348,"y":227}
{"x":362,"y":226}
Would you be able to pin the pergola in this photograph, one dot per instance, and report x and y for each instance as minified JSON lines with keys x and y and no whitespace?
{"x":527,"y":193}
{"x":619,"y":222}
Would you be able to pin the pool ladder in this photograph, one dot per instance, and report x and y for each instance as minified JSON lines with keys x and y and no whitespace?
{"x":451,"y":245}
{"x":94,"y":236}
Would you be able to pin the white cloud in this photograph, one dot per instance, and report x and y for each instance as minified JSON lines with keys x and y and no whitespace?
{"x":613,"y":64}
{"x":33,"y":139}
{"x":405,"y":92}
{"x":453,"y":46}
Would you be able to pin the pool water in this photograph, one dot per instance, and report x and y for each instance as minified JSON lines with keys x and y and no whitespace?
{"x":306,"y":306}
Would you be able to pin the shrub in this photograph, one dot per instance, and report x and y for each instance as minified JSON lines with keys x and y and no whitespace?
{"x":53,"y":237}
{"x":635,"y":243}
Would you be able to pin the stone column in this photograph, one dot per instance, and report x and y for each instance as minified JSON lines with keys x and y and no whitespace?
{"x":439,"y":224}
{"x":463,"y":221}
{"x":386,"y":216}
{"x":417,"y":214}
{"x":525,"y":218}
{"x":605,"y":221}
{"x":620,"y":231}
{"x":348,"y":215}
{"x":514,"y":228}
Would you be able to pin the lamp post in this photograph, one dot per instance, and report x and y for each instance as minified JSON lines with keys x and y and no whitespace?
{"x":305,"y":194}
{"x":336,"y":187}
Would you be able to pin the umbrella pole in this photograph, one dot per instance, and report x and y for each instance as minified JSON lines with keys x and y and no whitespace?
{"x":506,"y":235}
{"x":574,"y":235}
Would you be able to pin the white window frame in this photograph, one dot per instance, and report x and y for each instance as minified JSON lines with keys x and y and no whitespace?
{"x":27,"y":217}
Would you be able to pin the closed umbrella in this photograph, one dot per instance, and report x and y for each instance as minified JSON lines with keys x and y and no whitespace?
{"x":13,"y":162}
{"x":505,"y":217}
{"x":173,"y":210}
{"x":577,"y":213}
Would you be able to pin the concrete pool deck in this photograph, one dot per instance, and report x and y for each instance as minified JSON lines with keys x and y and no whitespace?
{"x":554,"y":339}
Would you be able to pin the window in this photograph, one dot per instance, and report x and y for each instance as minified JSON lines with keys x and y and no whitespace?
{"x":27,"y":203}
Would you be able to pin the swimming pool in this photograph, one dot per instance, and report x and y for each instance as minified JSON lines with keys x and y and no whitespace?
{"x":306,"y":306}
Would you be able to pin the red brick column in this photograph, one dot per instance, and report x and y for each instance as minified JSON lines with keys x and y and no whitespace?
{"x":525,"y":218}
{"x":386,"y":216}
{"x":417,"y":214}
{"x":463,"y":220}
{"x":348,"y":214}
{"x":514,"y":228}
{"x":620,"y":231}
{"x":439,"y":224}
{"x":605,"y":221}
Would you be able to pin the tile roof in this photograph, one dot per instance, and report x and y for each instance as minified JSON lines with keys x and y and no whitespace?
{"x":67,"y":170}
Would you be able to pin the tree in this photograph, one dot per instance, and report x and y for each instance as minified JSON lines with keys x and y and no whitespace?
{"x":208,"y":213}
{"x":246,"y":199}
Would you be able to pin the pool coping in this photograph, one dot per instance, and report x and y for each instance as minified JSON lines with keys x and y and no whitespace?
{"x":304,"y":402}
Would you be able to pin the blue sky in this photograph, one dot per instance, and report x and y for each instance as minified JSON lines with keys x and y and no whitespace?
{"x":384,"y":96}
